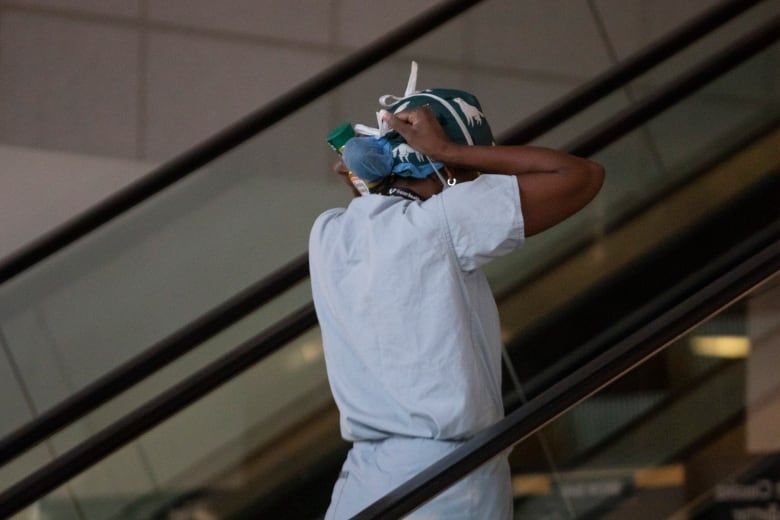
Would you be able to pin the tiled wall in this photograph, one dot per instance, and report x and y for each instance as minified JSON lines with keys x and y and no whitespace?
{"x":144,"y":80}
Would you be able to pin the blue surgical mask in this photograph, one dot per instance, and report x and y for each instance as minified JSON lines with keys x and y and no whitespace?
{"x":370,"y":158}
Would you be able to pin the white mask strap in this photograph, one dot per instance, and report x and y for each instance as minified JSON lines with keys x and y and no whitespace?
{"x":411,"y":88}
{"x":444,"y":182}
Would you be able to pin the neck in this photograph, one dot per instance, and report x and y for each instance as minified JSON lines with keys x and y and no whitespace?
{"x":425,"y":188}
{"x":431,"y":185}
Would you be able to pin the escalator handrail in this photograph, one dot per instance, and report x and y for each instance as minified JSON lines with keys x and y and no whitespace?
{"x":152,"y":359}
{"x":629,"y":69}
{"x":248,"y":127}
{"x":132,"y":425}
{"x":223,"y":369}
{"x":192,"y":160}
{"x":686,"y":83}
{"x":184,"y":340}
{"x":583,"y":382}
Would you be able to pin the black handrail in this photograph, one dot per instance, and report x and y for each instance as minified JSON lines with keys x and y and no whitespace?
{"x":144,"y":418}
{"x":568,"y":359}
{"x":642,"y":344}
{"x":629,"y":69}
{"x":152,"y":359}
{"x":285,"y":105}
{"x":180,"y":342}
{"x":688,"y":82}
{"x":231,"y":137}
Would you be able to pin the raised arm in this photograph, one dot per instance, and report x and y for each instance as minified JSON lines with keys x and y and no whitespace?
{"x":553,"y":185}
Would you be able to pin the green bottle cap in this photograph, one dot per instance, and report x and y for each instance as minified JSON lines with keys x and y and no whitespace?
{"x":340,"y":135}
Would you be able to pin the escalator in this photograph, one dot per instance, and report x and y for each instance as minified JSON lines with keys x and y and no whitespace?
{"x":680,"y":436}
{"x":659,"y":267}
{"x":293,"y":450}
{"x":675,"y":419}
{"x":619,"y":425}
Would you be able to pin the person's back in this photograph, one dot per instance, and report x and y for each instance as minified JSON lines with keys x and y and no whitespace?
{"x":410,"y":328}
{"x":409,"y":323}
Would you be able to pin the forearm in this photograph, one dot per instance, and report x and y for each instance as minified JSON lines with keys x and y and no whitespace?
{"x":510,"y":160}
{"x":423,"y":133}
{"x":553,"y":185}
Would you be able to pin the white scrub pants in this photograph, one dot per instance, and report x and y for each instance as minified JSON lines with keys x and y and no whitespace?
{"x":375,"y":468}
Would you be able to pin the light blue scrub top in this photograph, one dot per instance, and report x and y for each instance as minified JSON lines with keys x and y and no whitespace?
{"x":409,"y":324}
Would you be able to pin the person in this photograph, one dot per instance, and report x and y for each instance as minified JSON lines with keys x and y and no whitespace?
{"x":409,"y":325}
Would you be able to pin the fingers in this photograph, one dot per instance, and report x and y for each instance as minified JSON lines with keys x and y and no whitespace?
{"x":405,"y":116}
{"x":410,"y":117}
{"x":419,"y":128}
{"x":340,"y":168}
{"x":395,"y":121}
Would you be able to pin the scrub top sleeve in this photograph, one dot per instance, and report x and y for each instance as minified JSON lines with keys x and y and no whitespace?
{"x":483,"y":219}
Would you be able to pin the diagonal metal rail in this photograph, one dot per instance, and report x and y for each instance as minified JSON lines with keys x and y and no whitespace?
{"x":583,"y":382}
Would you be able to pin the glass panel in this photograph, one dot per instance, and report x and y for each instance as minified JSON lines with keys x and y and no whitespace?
{"x":641,"y":209}
{"x":251,"y":437}
{"x":691,"y":433}
{"x":675,"y":149}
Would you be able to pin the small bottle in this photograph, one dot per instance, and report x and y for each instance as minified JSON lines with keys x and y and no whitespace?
{"x":339,"y":137}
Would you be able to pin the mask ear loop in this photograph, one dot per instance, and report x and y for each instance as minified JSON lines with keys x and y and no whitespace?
{"x":445,"y":183}
{"x":451,"y":180}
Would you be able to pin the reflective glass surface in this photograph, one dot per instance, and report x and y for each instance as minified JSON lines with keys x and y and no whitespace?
{"x":691,"y":433}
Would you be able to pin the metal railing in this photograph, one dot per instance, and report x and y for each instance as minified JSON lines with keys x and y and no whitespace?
{"x":630,"y":352}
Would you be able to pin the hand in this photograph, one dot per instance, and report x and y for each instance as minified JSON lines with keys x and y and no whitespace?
{"x":421,"y":130}
{"x":342,"y":171}
{"x":340,"y":168}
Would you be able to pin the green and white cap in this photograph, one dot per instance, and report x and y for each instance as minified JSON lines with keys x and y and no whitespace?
{"x":459,"y":113}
